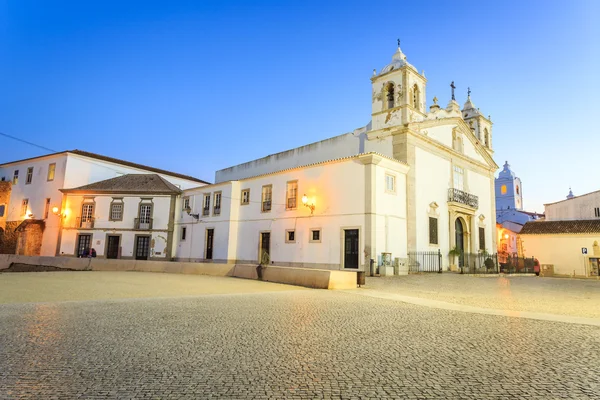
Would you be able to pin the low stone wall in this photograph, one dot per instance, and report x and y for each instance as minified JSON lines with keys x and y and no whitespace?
{"x":307,"y":277}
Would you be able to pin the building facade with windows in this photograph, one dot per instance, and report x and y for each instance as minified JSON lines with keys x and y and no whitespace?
{"x":331,"y":214}
{"x":448,"y":203}
{"x":582,"y":207}
{"x":31,"y":189}
{"x":128,"y":217}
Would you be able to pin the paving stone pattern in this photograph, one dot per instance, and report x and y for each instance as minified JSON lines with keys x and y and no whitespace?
{"x":287,"y":345}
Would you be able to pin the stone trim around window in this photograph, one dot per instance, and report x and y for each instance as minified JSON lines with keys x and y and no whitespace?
{"x":245,"y":200}
{"x":311,"y":235}
{"x":116,"y":201}
{"x":287,"y":236}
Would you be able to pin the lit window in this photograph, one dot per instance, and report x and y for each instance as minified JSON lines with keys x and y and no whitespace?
{"x":29,"y":177}
{"x":503,"y":189}
{"x":390,"y":183}
{"x":245,"y":196}
{"x":292,"y":195}
{"x":51,"y":171}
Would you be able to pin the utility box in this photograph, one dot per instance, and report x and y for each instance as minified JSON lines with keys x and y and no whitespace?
{"x":547,"y":270}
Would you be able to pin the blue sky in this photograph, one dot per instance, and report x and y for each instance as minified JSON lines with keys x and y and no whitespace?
{"x":201,"y":85}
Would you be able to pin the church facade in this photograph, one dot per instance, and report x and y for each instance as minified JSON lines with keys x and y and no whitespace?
{"x":438,"y":162}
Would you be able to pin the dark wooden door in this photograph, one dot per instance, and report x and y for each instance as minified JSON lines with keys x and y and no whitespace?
{"x":112,"y":247}
{"x":83,"y":245}
{"x":265,"y":248}
{"x":351,"y":248}
{"x":210,"y":239}
{"x":142,"y":247}
{"x":460,"y":242}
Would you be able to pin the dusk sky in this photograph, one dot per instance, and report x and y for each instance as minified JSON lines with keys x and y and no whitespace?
{"x":198,"y":86}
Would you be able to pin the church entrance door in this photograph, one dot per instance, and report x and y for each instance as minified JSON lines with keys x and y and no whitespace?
{"x":460,"y":240}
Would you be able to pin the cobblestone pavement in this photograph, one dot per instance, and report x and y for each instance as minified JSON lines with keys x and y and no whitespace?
{"x":310,"y":344}
{"x":564,"y":296}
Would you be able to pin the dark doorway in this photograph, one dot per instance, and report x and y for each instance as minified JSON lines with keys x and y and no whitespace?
{"x":264,"y":256}
{"x":210,"y":239}
{"x":460,"y":240}
{"x":351,"y":248}
{"x":112,"y":247}
{"x":142,"y":247}
{"x":83,"y":245}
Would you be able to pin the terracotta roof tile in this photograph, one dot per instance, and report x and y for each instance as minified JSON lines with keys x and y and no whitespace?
{"x":557,"y":227}
{"x":129,"y":183}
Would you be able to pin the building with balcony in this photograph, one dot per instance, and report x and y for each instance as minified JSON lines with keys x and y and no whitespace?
{"x":128,"y":217}
{"x":30,"y":189}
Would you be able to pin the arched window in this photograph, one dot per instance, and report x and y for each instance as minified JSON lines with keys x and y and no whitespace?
{"x":389,"y":93}
{"x":486,"y":136}
{"x":416,"y":96}
{"x":517,"y":189}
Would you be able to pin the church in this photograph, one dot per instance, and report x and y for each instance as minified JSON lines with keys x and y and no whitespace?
{"x":414,"y":180}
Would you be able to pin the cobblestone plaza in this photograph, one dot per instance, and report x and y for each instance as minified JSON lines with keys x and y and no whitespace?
{"x":264,"y":343}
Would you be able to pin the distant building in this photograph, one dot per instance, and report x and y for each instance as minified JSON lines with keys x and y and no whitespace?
{"x":30,"y":189}
{"x":509,"y":200}
{"x":585,"y":206}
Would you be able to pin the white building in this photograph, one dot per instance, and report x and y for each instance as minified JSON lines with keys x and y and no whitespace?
{"x":585,"y":206}
{"x":27,"y":224}
{"x":448,"y":200}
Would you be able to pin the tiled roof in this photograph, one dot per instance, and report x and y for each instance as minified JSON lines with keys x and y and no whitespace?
{"x":130,"y":183}
{"x":116,"y":161}
{"x":557,"y":227}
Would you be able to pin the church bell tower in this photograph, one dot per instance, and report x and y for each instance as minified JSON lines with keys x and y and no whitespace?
{"x":398,"y":93}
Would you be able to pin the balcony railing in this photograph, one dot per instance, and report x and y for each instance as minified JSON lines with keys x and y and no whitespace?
{"x":142,"y":224}
{"x":205,"y":211}
{"x":217,"y":211}
{"x":291,"y":202}
{"x":85,"y":222}
{"x":461,"y":197}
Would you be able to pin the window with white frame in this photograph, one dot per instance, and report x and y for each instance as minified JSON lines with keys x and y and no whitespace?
{"x":29,"y":176}
{"x":245,"y":197}
{"x":51,"y":171}
{"x":459,"y":178}
{"x":186,"y":203}
{"x":390,"y":183}
{"x":87,"y":212}
{"x":315,"y":236}
{"x":24,"y":207}
{"x":206,"y":206}
{"x":116,"y":210}
{"x":267,"y":192}
{"x":291,"y":195}
{"x":15,"y":177}
{"x":217,"y":204}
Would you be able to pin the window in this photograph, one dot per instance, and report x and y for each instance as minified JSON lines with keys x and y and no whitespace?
{"x":290,"y":236}
{"x":292,"y":195}
{"x":596,"y":212}
{"x":206,"y":207}
{"x":416,"y":96}
{"x":29,"y":176}
{"x":116,"y":210}
{"x":389,"y":93}
{"x":315,"y":236}
{"x":503,"y":189}
{"x":2,"y":208}
{"x":186,"y":203}
{"x":217,"y":204}
{"x":16,"y":177}
{"x":266,"y":198}
{"x":433,"y":230}
{"x":51,"y":171}
{"x":87,"y":212}
{"x":390,"y":183}
{"x":486,"y":137}
{"x":183,"y":232}
{"x":517,"y":189}
{"x":245,"y":197}
{"x":459,"y":176}
{"x":47,"y":208}
{"x":24,"y":206}
{"x":482,"y":239}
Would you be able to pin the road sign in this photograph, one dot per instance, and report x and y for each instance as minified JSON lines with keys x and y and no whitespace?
{"x":584,"y":250}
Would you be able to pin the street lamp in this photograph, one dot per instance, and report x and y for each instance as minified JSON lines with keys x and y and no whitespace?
{"x":55,"y":211}
{"x":305,"y":202}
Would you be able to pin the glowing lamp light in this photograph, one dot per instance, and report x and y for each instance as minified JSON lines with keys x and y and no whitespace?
{"x":305,"y":202}
{"x":55,"y":210}
{"x":506,"y":236}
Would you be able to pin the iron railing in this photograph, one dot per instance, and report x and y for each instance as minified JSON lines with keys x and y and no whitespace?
{"x":485,"y":263}
{"x":142,"y":223}
{"x":266,"y":205}
{"x":217,"y":211}
{"x":85,"y":222}
{"x":291,"y":202}
{"x":205,"y":211}
{"x":461,"y":197}
{"x":513,"y":264}
{"x":424,"y":261}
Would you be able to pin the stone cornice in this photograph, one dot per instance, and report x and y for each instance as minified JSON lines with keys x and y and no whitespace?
{"x":401,"y":69}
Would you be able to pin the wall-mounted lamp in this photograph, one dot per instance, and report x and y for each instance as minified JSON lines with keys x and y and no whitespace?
{"x":189,"y":212}
{"x":29,"y":215}
{"x":305,"y":202}
{"x":506,"y":236}
{"x":55,"y":211}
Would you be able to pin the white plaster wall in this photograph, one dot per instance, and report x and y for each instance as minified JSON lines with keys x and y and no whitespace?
{"x":470,"y":151}
{"x":480,"y":186}
{"x":564,"y":251}
{"x":158,"y":242}
{"x":432,"y":180}
{"x":581,"y":207}
{"x":83,"y":170}
{"x":441,"y":133}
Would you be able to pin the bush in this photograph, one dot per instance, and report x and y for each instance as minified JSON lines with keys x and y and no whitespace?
{"x":489,"y":263}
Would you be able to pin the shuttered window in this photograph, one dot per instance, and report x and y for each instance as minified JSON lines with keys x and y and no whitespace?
{"x":433,"y":230}
{"x":482,"y":239}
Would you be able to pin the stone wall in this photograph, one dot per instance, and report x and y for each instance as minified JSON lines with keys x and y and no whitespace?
{"x":29,"y":237}
{"x":8,"y":241}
